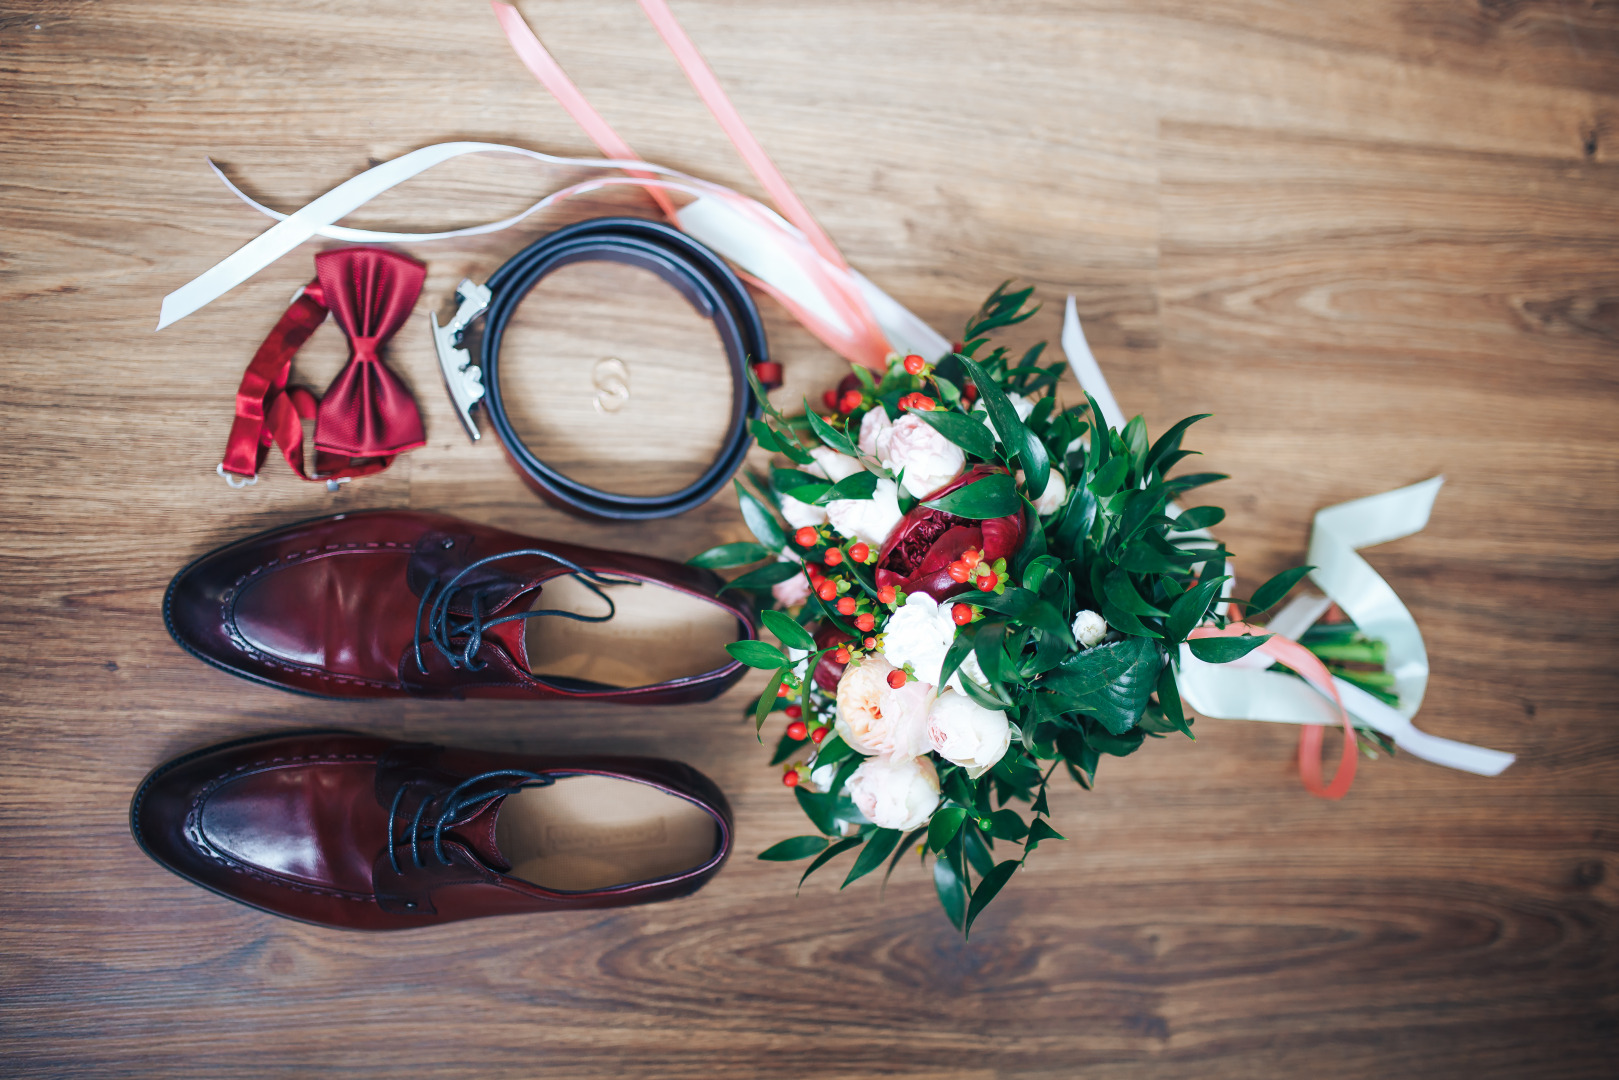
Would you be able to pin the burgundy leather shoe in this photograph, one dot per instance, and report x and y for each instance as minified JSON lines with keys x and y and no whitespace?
{"x":366,"y":833}
{"x":393,"y":603}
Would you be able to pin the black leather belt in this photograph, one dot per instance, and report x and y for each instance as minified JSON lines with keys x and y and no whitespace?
{"x":695,"y":271}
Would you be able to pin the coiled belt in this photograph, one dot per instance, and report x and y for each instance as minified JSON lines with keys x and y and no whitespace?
{"x":696,"y":272}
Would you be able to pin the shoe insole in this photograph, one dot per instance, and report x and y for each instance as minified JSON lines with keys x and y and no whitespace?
{"x":594,"y":832}
{"x":656,"y":634}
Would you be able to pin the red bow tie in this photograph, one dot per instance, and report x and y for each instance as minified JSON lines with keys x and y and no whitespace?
{"x":367,"y":412}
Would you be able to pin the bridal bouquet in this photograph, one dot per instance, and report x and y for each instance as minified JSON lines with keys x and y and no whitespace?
{"x":972,"y":588}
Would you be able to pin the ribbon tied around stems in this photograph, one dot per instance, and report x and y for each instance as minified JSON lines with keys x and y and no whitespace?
{"x":1244,"y":690}
{"x":367,"y":412}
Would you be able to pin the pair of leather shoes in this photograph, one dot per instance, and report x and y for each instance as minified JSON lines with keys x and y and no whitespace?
{"x":367,"y":833}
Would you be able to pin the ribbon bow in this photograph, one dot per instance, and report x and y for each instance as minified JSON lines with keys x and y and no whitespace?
{"x":367,"y":413}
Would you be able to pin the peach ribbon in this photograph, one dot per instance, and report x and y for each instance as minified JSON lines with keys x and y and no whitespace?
{"x":847,"y":326}
{"x":1291,"y":654}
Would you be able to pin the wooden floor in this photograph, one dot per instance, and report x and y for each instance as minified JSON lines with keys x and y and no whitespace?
{"x":1379,"y":239}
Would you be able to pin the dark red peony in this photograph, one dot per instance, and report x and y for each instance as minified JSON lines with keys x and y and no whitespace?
{"x":918,"y":555}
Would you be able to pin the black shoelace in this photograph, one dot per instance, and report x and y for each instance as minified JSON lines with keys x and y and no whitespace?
{"x":463,"y":797}
{"x":459,"y":641}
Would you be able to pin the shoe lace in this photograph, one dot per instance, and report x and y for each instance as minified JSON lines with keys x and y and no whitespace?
{"x":459,"y":640}
{"x":461,"y":798}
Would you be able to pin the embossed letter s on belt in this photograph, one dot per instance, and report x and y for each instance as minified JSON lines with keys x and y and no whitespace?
{"x":697,"y":273}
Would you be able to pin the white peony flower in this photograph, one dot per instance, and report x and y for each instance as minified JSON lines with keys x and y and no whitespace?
{"x":800,"y":514}
{"x":1021,"y":405}
{"x":875,"y":718}
{"x":919,"y":634}
{"x":964,"y":732}
{"x":1089,"y":628}
{"x":1050,"y":500}
{"x":929,"y":459}
{"x":875,"y":429}
{"x":895,"y":793}
{"x":870,"y":519}
{"x":832,"y":465}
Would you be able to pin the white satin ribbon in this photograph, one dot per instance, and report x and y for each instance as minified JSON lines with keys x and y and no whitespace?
{"x":1245,"y":691}
{"x":739,"y":228}
{"x":1086,"y":370}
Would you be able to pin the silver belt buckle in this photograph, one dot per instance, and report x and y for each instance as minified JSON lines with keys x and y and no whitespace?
{"x":462,"y":378}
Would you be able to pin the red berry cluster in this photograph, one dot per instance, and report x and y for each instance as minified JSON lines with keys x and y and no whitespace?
{"x":972,"y":569}
{"x":918,"y":402}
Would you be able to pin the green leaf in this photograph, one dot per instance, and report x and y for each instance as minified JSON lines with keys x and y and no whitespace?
{"x":832,"y":750}
{"x":1169,"y":699}
{"x":1181,"y":484}
{"x":944,"y":826}
{"x":878,"y":847}
{"x":1223,"y":650}
{"x":791,"y":634}
{"x":1117,"y":745}
{"x":1015,"y":435}
{"x":778,"y":443}
{"x":1198,"y":517}
{"x":1111,"y":682}
{"x":1038,"y":831}
{"x":1118,"y":588}
{"x":960,"y":646}
{"x":785,"y":747}
{"x":1170,"y":440}
{"x":791,"y":850}
{"x":1189,"y":608}
{"x":987,"y":644}
{"x":987,"y":888}
{"x":764,"y":577}
{"x":972,"y":842}
{"x":1109,"y":477}
{"x":964,"y":430}
{"x":1124,"y":622}
{"x":800,"y":485}
{"x":1270,"y":594}
{"x":759,"y":654}
{"x":1135,"y":443}
{"x":828,"y":434}
{"x":1007,"y":825}
{"x":828,"y":855}
{"x":900,"y":850}
{"x":740,"y":553}
{"x":760,"y":521}
{"x":952,"y":890}
{"x":767,"y":699}
{"x":818,"y":808}
{"x":858,"y":485}
{"x":992,"y":496}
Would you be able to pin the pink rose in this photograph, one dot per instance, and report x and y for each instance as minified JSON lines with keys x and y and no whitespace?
{"x":875,"y":430}
{"x":793,"y":591}
{"x":964,"y":732}
{"x":895,"y":793}
{"x":929,"y":459}
{"x":875,"y":718}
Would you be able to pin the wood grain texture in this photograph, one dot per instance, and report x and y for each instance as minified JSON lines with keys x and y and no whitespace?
{"x":1376,"y":239}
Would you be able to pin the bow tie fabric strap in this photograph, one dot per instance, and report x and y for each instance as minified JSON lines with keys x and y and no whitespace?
{"x":367,"y":412}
